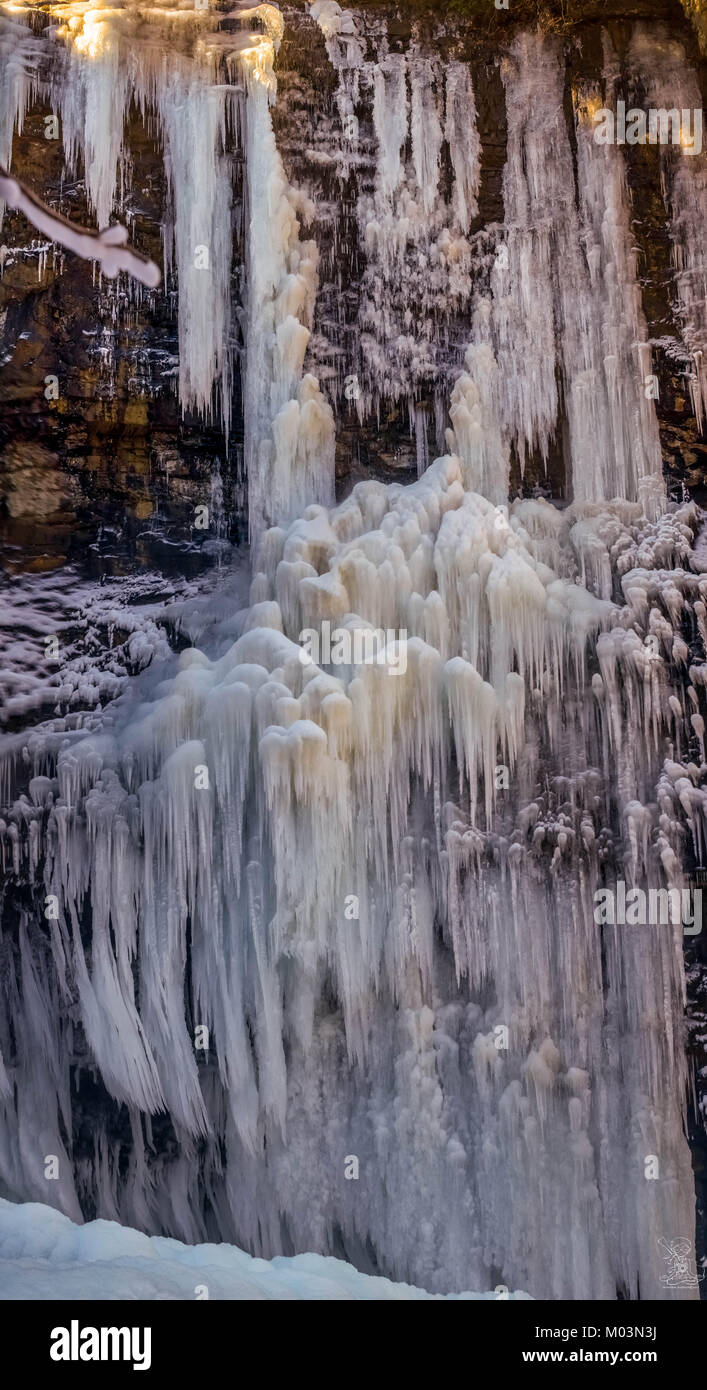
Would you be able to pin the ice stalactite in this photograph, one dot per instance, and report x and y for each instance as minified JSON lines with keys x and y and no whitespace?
{"x":390,"y":119}
{"x":534,"y":195}
{"x":426,"y":131}
{"x":476,"y":412}
{"x":410,"y":145}
{"x":98,"y":61}
{"x":194,"y":118}
{"x":462,"y":136}
{"x":92,"y":92}
{"x":20,"y":63}
{"x":289,"y":426}
{"x":565,"y":297}
{"x":671,"y":84}
{"x":193,"y":86}
{"x":418,"y":259}
{"x":113,"y":59}
{"x":630,"y":459}
{"x":346,"y":49}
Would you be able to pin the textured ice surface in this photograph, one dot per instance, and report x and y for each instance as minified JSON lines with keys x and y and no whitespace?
{"x":375,"y":1036}
{"x":564,"y":319}
{"x":43,"y":1255}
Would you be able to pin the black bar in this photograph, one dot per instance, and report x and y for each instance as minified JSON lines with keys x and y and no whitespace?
{"x":231,"y":1341}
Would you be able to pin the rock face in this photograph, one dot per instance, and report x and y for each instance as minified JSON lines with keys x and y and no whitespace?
{"x":388,"y":338}
{"x":278,"y":934}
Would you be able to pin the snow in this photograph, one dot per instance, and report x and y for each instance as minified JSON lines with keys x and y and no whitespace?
{"x":43,"y":1255}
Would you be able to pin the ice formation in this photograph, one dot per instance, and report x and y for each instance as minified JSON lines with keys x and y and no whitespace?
{"x":289,"y":426}
{"x":373,"y":895}
{"x":20,"y":54}
{"x":670,"y":83}
{"x":346,"y":49}
{"x":388,"y":787}
{"x":203,"y":84}
{"x":563,"y":324}
{"x":418,"y":257}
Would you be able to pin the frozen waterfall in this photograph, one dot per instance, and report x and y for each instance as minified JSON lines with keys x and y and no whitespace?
{"x":280,"y":915}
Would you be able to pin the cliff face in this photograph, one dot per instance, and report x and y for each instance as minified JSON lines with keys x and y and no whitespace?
{"x":114,"y":460}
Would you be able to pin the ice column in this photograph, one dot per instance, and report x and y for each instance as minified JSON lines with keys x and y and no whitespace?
{"x":289,"y":427}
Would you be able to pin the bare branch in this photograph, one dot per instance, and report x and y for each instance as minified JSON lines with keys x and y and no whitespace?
{"x":108,"y":246}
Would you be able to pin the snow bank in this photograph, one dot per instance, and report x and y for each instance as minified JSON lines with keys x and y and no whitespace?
{"x":45,"y":1255}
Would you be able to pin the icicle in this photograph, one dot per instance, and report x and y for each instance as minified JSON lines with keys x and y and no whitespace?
{"x":426,"y":131}
{"x":672,"y":85}
{"x":464,"y":145}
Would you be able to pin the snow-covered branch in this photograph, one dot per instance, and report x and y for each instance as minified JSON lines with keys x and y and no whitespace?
{"x":108,"y":246}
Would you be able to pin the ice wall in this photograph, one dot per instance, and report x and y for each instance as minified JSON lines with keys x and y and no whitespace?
{"x":375,"y":1035}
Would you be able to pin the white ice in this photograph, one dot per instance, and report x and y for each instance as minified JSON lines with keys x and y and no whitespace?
{"x":43,"y":1255}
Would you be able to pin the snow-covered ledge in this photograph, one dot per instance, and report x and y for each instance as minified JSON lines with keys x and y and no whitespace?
{"x":44,"y":1255}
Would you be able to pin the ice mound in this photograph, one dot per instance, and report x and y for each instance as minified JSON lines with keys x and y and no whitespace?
{"x":43,"y":1255}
